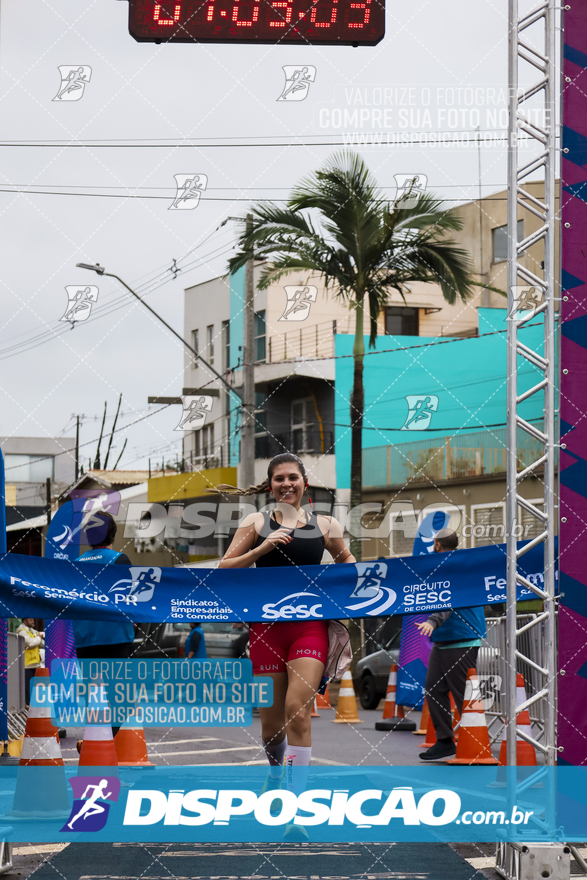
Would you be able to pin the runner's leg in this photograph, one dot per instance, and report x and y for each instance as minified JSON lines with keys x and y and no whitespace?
{"x":304,"y":677}
{"x":273,"y":724}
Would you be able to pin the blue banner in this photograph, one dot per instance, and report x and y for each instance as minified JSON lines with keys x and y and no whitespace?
{"x":413,"y":585}
{"x":414,"y":647}
{"x":3,"y":621}
{"x":333,"y":804}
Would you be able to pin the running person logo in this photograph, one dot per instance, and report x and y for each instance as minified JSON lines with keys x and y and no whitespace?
{"x":299,"y":302}
{"x":139,"y":587}
{"x":527,"y":298}
{"x":195,"y":412}
{"x":410,"y":187}
{"x":91,"y":806}
{"x":421,"y":408}
{"x":80,"y":300}
{"x":74,"y":79}
{"x":370,"y":587}
{"x":489,"y":689}
{"x":297,"y":82}
{"x":189,"y":188}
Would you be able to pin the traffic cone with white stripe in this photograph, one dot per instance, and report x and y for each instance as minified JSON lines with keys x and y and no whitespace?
{"x":346,"y":709}
{"x":393,"y":717}
{"x":424,"y":719}
{"x":40,"y":793}
{"x":525,"y":752}
{"x":98,"y":749}
{"x":473,"y":746}
{"x":314,"y":713}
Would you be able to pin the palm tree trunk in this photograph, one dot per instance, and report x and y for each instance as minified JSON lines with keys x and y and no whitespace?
{"x":357,"y":408}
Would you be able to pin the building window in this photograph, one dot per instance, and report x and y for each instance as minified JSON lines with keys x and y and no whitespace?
{"x":196,"y":347}
{"x":28,"y":468}
{"x":260,"y":336}
{"x":303,"y":426}
{"x":204,"y":444}
{"x":226,"y":345}
{"x":210,"y":343}
{"x":401,"y":321}
{"x":488,"y":524}
{"x":500,"y":241}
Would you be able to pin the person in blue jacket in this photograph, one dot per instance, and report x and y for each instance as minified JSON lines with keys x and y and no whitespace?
{"x":101,"y":638}
{"x":456,"y":636}
{"x":195,"y":644}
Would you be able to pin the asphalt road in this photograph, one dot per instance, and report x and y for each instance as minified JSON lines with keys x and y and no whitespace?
{"x":332,"y":744}
{"x":249,"y":861}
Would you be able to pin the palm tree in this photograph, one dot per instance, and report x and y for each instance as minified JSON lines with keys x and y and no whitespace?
{"x":337,"y":224}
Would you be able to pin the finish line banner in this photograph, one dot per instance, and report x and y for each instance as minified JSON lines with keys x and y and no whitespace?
{"x":332,"y":804}
{"x":53,"y":588}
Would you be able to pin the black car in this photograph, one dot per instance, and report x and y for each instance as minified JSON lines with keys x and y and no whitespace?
{"x":372,"y":672}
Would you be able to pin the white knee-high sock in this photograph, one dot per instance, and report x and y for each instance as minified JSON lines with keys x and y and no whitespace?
{"x":297,"y":764}
{"x":275,"y":754}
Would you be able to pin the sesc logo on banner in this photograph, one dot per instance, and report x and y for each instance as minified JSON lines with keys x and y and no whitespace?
{"x":288,"y":609}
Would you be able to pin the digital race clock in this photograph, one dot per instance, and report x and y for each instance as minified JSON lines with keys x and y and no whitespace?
{"x":310,"y":22}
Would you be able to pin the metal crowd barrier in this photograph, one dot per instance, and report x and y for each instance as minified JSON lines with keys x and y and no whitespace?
{"x":491,"y":662}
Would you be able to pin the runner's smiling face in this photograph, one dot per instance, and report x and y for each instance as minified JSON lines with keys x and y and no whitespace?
{"x":287,"y":484}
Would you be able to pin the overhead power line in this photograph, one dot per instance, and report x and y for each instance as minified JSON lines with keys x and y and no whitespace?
{"x":232,"y":199}
{"x":338,"y":140}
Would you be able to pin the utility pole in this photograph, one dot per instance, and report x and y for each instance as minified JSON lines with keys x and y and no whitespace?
{"x":48,"y":493}
{"x":247,"y":457}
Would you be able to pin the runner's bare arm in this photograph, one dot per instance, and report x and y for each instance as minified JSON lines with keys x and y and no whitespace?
{"x":242,"y":553}
{"x":333,"y":539}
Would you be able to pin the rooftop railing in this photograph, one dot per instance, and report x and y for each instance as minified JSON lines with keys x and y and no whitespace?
{"x":432,"y":459}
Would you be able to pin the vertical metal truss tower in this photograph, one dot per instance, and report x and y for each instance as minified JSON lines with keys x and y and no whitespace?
{"x":543,"y":136}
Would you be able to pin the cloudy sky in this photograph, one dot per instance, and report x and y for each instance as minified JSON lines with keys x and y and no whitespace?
{"x":109,"y":203}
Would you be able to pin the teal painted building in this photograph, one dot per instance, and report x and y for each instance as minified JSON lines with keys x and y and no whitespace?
{"x":419,"y":388}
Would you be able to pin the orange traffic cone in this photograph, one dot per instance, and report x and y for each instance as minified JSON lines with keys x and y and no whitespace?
{"x":455,"y":718}
{"x":40,"y":749}
{"x":131,"y":747}
{"x":98,"y":749}
{"x":425,"y":718}
{"x":323,"y":700}
{"x":525,"y":752}
{"x":346,"y":709}
{"x":473,"y":746}
{"x":430,"y":735}
{"x":314,"y":713}
{"x":393,"y":718}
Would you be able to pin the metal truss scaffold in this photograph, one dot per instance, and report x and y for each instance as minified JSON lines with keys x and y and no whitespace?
{"x":529,"y":297}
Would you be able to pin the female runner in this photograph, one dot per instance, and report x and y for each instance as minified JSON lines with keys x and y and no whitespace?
{"x":293,"y":653}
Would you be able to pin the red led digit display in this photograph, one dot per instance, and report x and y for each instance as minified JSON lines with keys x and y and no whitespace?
{"x":310,"y":22}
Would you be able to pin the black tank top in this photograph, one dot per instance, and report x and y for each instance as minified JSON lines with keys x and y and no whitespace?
{"x":305,"y":549}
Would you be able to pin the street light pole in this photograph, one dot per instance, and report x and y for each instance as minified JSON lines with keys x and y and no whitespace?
{"x":101,"y":271}
{"x":247,"y":456}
